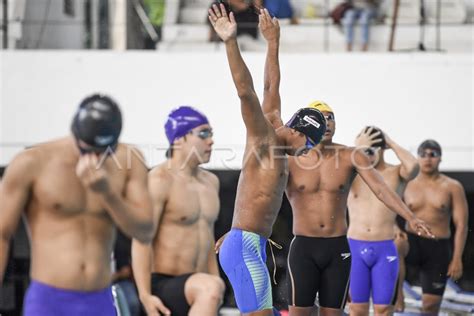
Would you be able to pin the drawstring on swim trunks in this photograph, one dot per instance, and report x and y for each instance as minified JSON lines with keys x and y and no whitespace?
{"x":274,"y":244}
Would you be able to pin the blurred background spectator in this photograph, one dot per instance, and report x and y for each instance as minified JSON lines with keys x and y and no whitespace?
{"x":246,"y":15}
{"x":362,"y":11}
{"x":281,"y":9}
{"x":155,"y":10}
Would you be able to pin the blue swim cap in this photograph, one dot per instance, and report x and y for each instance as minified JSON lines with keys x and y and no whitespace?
{"x":182,"y":120}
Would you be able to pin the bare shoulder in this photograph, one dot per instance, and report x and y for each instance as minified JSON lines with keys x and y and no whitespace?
{"x":338,"y":150}
{"x":451,"y":183}
{"x":414,"y":185}
{"x":209,"y":177}
{"x":131,"y":159}
{"x":160,"y":182}
{"x":160,"y":173}
{"x":34,"y":159}
{"x":54,"y":146}
{"x":29,"y":159}
{"x":44,"y":151}
{"x":130,"y":152}
{"x":341,"y":146}
{"x":347,"y":151}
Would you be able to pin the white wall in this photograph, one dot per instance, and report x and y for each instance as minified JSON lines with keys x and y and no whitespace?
{"x":411,"y":96}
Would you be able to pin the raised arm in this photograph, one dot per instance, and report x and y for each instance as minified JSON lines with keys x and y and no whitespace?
{"x":130,"y":209}
{"x":386,"y":195}
{"x":460,"y":219}
{"x":409,"y":167}
{"x":226,"y":27}
{"x":270,"y":29}
{"x":142,"y":254}
{"x":15,"y":189}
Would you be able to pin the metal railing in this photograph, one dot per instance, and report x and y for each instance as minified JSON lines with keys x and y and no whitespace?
{"x":5,"y":24}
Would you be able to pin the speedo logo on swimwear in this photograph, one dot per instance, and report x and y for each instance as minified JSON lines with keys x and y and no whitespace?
{"x":311,"y":121}
{"x":104,"y":140}
{"x":391,"y":258}
{"x":437,"y":285}
{"x":345,"y":255}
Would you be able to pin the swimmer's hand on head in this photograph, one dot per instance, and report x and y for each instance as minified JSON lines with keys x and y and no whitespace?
{"x":224,"y":24}
{"x":420,"y":227}
{"x":93,"y":176}
{"x":388,"y":141}
{"x":366,"y":139}
{"x":219,"y":242}
{"x":154,"y":306}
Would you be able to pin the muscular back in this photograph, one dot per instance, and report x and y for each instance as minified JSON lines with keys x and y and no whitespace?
{"x":185,"y":235}
{"x":261,"y":185}
{"x":431,"y":201}
{"x":369,"y":218}
{"x":72,"y":235}
{"x":317,"y":189}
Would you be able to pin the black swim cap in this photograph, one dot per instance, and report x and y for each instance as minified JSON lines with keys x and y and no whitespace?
{"x":310,"y":122}
{"x":98,"y":123}
{"x":429,"y":144}
{"x":382,"y":143}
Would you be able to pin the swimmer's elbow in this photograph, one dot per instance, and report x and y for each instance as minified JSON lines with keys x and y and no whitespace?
{"x":413,"y":171}
{"x":145,"y":232}
{"x":245,"y":93}
{"x":141,"y":230}
{"x":143,"y":238}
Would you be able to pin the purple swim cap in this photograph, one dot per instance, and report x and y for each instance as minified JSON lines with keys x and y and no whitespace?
{"x":181,"y":120}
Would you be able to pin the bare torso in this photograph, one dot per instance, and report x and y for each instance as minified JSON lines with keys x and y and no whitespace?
{"x":72,"y":235}
{"x":185,"y":235}
{"x":369,"y":218}
{"x":317,"y":190}
{"x":261,"y":186}
{"x":431,"y":201}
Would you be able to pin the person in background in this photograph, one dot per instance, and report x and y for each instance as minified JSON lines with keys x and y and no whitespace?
{"x":246,"y":15}
{"x":363,"y":11}
{"x":155,"y":10}
{"x":372,"y":230}
{"x":178,"y":273}
{"x":74,"y":195}
{"x":281,"y":9}
{"x":436,"y":199}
